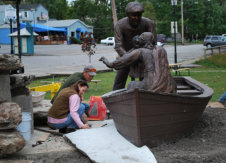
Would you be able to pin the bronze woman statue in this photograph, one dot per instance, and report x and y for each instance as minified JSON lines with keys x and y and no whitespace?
{"x":155,"y":74}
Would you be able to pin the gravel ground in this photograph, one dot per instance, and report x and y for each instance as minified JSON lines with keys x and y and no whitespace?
{"x":205,"y":144}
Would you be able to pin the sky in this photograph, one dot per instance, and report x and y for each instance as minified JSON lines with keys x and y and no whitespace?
{"x":69,"y":1}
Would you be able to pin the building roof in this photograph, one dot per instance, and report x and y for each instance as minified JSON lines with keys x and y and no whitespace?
{"x":2,"y":7}
{"x":42,"y":28}
{"x":29,"y":6}
{"x":64,"y":23}
{"x":14,"y":25}
{"x":23,"y":32}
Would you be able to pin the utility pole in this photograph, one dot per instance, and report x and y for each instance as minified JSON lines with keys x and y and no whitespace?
{"x":18,"y":28}
{"x":182,"y":22}
{"x":114,"y":11}
{"x":174,"y":3}
{"x":11,"y":38}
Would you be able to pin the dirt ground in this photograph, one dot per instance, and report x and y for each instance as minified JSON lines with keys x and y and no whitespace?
{"x":205,"y":144}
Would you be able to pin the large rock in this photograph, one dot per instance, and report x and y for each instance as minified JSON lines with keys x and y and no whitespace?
{"x":10,"y":142}
{"x":9,"y":62}
{"x":20,"y":80}
{"x":10,"y":115}
{"x":5,"y":94}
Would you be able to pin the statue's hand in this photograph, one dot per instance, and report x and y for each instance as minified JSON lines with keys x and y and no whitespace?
{"x":102,"y":59}
{"x":106,"y":62}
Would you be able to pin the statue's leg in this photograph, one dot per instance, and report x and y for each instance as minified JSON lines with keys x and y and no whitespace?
{"x":120,"y":78}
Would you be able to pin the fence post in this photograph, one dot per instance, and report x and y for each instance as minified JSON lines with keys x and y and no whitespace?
{"x":204,"y":53}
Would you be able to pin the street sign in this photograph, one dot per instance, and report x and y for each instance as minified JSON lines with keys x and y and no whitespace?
{"x":172,"y":29}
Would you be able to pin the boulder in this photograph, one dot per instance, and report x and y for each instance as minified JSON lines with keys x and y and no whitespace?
{"x":9,"y":62}
{"x":20,"y":80}
{"x":10,"y":142}
{"x":10,"y":115}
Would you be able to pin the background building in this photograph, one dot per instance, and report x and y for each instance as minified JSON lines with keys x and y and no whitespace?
{"x":33,"y":13}
{"x":7,"y":12}
{"x":74,"y":27}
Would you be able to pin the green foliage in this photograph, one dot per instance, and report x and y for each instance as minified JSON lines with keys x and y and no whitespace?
{"x":149,"y":11}
{"x":213,"y":77}
{"x":74,"y":40}
{"x":214,"y":61}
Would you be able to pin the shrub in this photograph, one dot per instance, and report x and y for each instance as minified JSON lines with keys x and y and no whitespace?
{"x":74,"y":40}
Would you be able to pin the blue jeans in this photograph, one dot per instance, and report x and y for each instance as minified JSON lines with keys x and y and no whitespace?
{"x":70,"y":123}
{"x":223,"y":98}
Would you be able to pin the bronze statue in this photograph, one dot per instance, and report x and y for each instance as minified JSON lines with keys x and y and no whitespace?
{"x":125,"y":29}
{"x":155,"y":75}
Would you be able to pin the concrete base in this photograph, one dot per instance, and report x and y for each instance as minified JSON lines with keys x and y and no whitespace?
{"x":54,"y":149}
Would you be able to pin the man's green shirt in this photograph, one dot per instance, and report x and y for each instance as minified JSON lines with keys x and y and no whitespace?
{"x":70,"y":80}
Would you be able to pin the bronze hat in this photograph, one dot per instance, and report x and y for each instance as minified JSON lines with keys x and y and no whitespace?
{"x":134,"y":7}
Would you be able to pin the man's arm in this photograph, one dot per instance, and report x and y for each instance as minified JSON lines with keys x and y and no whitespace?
{"x":119,"y":41}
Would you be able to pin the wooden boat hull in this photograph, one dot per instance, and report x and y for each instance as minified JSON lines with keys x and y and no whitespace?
{"x":148,"y":118}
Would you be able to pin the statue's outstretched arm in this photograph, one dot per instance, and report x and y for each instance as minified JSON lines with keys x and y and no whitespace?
{"x":124,"y":61}
{"x":106,"y":62}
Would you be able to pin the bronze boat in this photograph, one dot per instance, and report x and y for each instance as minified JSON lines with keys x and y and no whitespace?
{"x":148,"y":118}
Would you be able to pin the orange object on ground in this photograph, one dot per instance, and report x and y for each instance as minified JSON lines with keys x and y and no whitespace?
{"x":98,"y":109}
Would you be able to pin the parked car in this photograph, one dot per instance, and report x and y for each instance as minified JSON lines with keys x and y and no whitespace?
{"x":224,"y":35}
{"x":161,"y":38}
{"x":213,"y":40}
{"x":160,"y":44}
{"x":108,"y":41}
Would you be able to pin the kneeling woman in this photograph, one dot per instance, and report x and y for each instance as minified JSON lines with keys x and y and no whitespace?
{"x":67,"y":112}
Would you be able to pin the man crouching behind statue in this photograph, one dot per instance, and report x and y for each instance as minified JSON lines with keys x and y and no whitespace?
{"x":153,"y":69}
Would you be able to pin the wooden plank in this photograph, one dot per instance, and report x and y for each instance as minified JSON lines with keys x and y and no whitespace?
{"x":188,"y":92}
{"x":182,"y":69}
{"x":182,"y":87}
{"x":98,"y":125}
{"x":44,"y":137}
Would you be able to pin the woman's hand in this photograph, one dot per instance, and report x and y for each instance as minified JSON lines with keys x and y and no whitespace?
{"x":85,"y":126}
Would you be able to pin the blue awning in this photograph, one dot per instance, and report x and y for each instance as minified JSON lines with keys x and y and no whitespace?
{"x":80,"y":30}
{"x":42,"y":28}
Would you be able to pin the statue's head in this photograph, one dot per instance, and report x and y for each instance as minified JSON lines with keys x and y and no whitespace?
{"x":134,"y":12}
{"x":136,"y":42}
{"x":146,"y":40}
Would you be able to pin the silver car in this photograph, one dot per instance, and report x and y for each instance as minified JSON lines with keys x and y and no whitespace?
{"x":213,"y":40}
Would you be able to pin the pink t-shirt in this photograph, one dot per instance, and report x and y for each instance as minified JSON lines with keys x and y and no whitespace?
{"x":74,"y":103}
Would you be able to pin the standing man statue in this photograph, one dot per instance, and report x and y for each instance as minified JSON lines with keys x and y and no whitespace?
{"x":125,"y":29}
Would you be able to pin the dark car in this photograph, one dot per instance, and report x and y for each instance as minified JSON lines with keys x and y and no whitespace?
{"x":161,"y":38}
{"x":213,"y":40}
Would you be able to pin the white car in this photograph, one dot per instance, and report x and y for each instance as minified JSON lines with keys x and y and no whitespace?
{"x":108,"y":41}
{"x":160,"y":44}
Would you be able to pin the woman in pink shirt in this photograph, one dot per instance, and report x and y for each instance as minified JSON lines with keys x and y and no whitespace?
{"x":66,"y":113}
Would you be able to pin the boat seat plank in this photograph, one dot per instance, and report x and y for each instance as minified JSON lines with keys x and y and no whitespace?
{"x":182,"y":87}
{"x":188,"y":92}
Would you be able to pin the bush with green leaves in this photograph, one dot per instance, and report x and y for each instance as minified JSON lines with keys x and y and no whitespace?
{"x":74,"y":40}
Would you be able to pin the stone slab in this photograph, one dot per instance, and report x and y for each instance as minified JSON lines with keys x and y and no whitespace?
{"x":5,"y":94}
{"x":106,"y":145}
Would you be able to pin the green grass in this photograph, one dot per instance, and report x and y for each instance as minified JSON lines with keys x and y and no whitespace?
{"x":212,"y":73}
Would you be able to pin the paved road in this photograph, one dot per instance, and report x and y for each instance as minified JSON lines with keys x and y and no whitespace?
{"x":69,"y":58}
